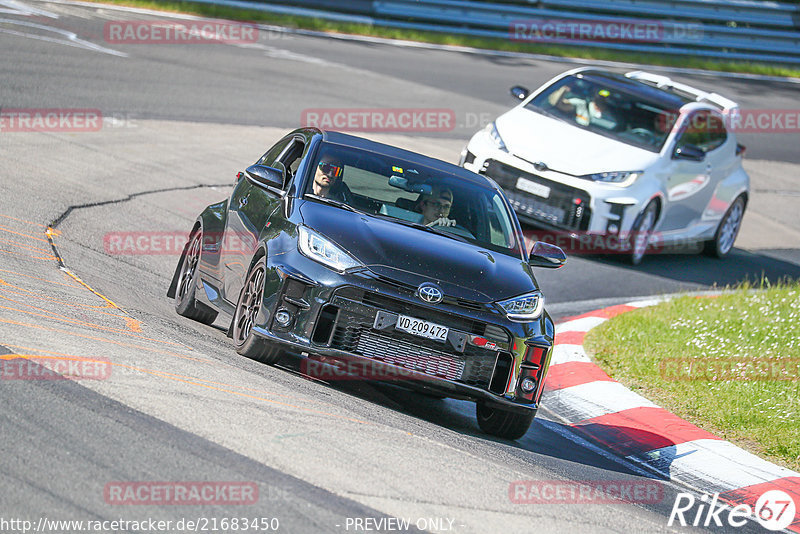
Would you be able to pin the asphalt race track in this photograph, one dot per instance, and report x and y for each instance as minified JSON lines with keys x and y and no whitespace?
{"x":179,"y":405}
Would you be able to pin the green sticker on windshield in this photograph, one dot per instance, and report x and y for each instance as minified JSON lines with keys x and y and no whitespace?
{"x":603,"y":92}
{"x":397,"y":169}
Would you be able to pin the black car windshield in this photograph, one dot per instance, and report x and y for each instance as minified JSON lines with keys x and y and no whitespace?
{"x":607,"y":110}
{"x":415,"y":195}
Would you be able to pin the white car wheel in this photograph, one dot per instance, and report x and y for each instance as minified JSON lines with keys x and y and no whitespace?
{"x":641,"y":233}
{"x":727,"y":231}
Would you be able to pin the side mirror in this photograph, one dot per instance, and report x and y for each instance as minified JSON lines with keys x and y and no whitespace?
{"x":689,"y":152}
{"x":519,"y":92}
{"x":547,"y":256}
{"x":264,"y":176}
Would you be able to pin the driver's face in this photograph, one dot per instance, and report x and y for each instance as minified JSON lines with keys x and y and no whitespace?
{"x":325,"y":175}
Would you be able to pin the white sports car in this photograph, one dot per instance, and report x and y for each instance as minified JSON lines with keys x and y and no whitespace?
{"x":635,"y":156}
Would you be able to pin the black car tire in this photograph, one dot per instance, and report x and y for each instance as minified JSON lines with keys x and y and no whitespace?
{"x":247,"y":308}
{"x":728,"y":229}
{"x":503,"y":423}
{"x":185,"y":302}
{"x":640,"y":233}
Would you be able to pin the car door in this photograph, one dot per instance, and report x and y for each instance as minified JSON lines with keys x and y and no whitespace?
{"x":689,"y":180}
{"x":721,"y":153}
{"x":249,"y":210}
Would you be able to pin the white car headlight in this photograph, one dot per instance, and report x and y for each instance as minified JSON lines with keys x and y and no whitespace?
{"x":525,"y":307}
{"x":319,"y":249}
{"x":491,"y":129}
{"x":614,"y":177}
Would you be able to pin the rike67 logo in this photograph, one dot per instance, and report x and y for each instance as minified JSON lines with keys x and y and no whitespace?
{"x":774,"y":510}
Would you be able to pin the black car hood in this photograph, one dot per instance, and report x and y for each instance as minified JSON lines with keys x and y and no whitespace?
{"x":412,"y":256}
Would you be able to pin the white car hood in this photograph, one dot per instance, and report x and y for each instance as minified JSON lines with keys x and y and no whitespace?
{"x":566,"y":148}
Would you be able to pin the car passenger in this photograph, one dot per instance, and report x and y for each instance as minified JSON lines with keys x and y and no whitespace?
{"x":595,"y":111}
{"x":600,"y":112}
{"x":436,"y":207}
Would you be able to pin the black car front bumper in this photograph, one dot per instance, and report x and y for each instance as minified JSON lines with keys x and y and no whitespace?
{"x":348,"y":320}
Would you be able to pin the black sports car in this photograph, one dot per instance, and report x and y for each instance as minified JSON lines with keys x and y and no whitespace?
{"x":368,"y":258}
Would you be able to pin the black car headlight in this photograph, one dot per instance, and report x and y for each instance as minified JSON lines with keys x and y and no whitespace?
{"x":524,"y":308}
{"x":324,"y":251}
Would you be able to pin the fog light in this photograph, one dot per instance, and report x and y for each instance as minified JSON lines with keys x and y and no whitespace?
{"x":528,"y":385}
{"x":283,"y":317}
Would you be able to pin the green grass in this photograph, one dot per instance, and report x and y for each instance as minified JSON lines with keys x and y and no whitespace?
{"x":318,"y":24}
{"x":743,"y":404}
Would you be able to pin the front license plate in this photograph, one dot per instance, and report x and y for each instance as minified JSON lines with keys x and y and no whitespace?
{"x":421,"y":328}
{"x":533,"y":188}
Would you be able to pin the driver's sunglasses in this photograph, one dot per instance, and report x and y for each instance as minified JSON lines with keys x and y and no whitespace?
{"x":330,"y":169}
{"x":439,"y":204}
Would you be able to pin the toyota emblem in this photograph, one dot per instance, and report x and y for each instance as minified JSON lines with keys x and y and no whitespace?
{"x":430,"y":292}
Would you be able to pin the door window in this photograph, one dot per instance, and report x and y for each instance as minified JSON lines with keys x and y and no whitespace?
{"x":705,"y":130}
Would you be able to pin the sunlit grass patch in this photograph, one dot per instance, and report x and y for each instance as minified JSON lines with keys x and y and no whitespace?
{"x":729,"y":364}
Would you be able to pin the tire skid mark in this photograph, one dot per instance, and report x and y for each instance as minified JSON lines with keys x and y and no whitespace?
{"x":9,"y":230}
{"x":194,"y":382}
{"x":53,"y":282}
{"x":27,"y":255}
{"x":63,"y":318}
{"x":5,"y":285}
{"x":23,"y":221}
{"x":33,"y":353}
{"x":24,"y":246}
{"x":111,"y":341}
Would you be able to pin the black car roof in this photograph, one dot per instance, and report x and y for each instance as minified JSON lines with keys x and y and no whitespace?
{"x":642,"y":90}
{"x":353,"y":141}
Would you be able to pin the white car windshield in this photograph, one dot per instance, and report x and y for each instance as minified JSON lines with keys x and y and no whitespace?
{"x":607,"y":110}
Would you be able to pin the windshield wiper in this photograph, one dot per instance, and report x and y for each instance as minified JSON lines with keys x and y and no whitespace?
{"x":333,"y":202}
{"x":419,"y":226}
{"x":432,"y":230}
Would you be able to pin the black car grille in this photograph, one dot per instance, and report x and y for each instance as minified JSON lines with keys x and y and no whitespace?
{"x":458,"y":322}
{"x":473,"y":367}
{"x":354,"y":332}
{"x":566,"y":207}
{"x":410,"y":291}
{"x":409,"y":355}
